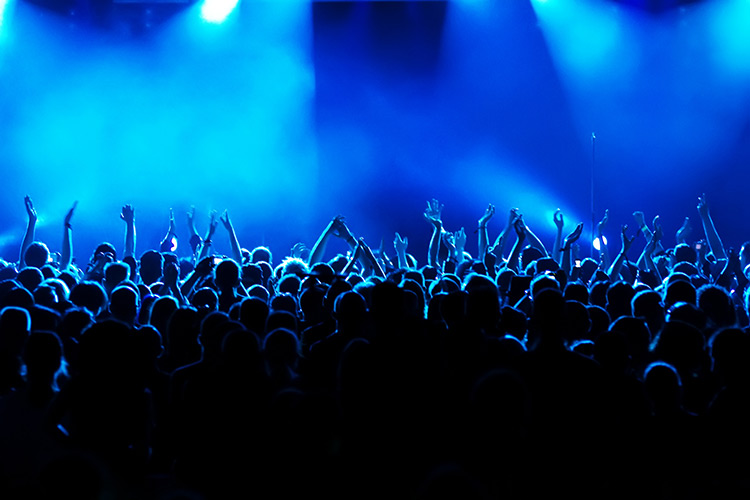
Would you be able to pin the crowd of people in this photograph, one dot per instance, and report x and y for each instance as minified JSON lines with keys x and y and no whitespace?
{"x":354,"y":372}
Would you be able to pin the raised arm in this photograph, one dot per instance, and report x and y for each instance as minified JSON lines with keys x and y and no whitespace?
{"x":567,"y":248}
{"x":208,"y":241}
{"x":559,"y":222}
{"x":515,"y":253}
{"x":196,"y":242}
{"x":202,"y":269}
{"x":459,"y":239}
{"x":66,"y":257}
{"x":169,"y":243}
{"x":128,"y":215}
{"x":319,"y":248}
{"x":653,"y":244}
{"x":535,"y":242}
{"x":482,"y":230}
{"x":28,"y":237}
{"x":433,"y":215}
{"x":369,"y":257}
{"x":682,"y":234}
{"x":614,"y":270}
{"x":233,"y":241}
{"x":400,"y":245}
{"x":498,"y":248}
{"x":353,"y":258}
{"x":732,"y":270}
{"x":712,"y":236}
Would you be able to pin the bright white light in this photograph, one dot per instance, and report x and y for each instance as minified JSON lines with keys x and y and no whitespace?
{"x":597,"y":245}
{"x":216,"y":11}
{"x":4,"y":11}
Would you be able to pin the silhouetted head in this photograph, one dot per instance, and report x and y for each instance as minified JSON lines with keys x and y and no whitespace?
{"x":679,"y":290}
{"x":90,"y":295}
{"x":716,"y":302}
{"x":114,"y":274}
{"x":663,"y":387}
{"x":37,"y":255}
{"x":547,"y":318}
{"x":284,"y":302}
{"x":684,"y":253}
{"x":290,"y":284}
{"x":227,"y":274}
{"x":124,"y":303}
{"x":619,"y":296}
{"x":575,"y":290}
{"x":261,"y":254}
{"x":151,"y":268}
{"x":30,"y":278}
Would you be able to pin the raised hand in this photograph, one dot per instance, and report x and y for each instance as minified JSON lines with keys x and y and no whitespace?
{"x":603,"y":223}
{"x":658,"y":230}
{"x":434,"y":210}
{"x":573,"y":236}
{"x":640,"y":219}
{"x":341,"y":230}
{"x":400,"y":244}
{"x":128,"y":214}
{"x":172,"y":224}
{"x":557,"y":218}
{"x":191,"y":220}
{"x":225,"y":220}
{"x":449,"y":240}
{"x":297,"y":250}
{"x":460,"y":238}
{"x":626,"y":242}
{"x":69,"y":215}
{"x":703,"y":206}
{"x":488,"y":214}
{"x":520,"y":227}
{"x":684,"y":231}
{"x":30,"y":212}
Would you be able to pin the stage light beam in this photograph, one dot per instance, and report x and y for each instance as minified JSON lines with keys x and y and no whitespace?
{"x":216,"y":11}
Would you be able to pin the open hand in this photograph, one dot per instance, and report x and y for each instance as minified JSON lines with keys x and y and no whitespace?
{"x":684,"y":231}
{"x":573,"y":236}
{"x":128,"y":214}
{"x":225,"y":220}
{"x":298,"y":249}
{"x":400,"y":244}
{"x":627,"y":242}
{"x":488,"y":214}
{"x":703,"y":206}
{"x":603,"y":223}
{"x":30,"y":212}
{"x":557,"y":218}
{"x":69,"y":215}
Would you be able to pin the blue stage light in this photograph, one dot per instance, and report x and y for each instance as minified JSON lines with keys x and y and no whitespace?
{"x":5,"y":7}
{"x":217,"y":11}
{"x":597,"y":243}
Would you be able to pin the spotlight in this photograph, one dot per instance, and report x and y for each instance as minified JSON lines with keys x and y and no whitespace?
{"x":597,"y":243}
{"x":217,"y":11}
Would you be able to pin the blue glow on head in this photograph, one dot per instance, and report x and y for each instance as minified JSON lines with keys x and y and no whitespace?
{"x":217,"y":11}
